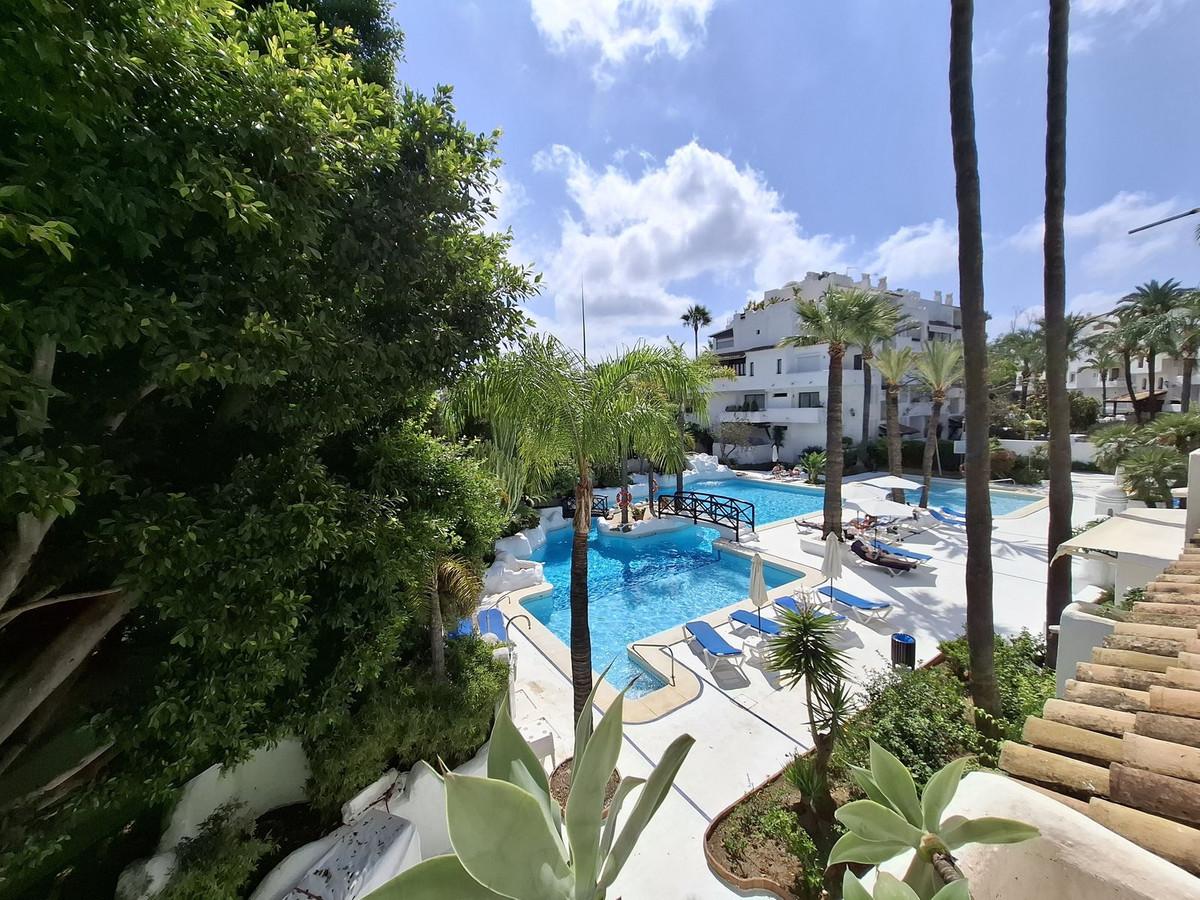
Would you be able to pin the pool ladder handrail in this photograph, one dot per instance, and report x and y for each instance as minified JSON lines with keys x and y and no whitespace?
{"x":670,"y":653}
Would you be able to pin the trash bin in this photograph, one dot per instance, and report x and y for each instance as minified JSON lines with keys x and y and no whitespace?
{"x":904,"y":650}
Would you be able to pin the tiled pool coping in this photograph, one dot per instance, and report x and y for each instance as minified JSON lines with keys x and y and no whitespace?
{"x":666,"y":699}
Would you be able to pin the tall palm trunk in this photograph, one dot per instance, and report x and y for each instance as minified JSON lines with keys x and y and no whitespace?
{"x":1185,"y":398}
{"x":980,"y":637}
{"x":1058,"y":403}
{"x":893,"y":437}
{"x":1026,"y":374}
{"x":866,"y":426}
{"x":696,"y":340}
{"x":437,"y":631}
{"x":581,"y":635}
{"x":1103,"y":391}
{"x":931,"y":442}
{"x":1150,"y":352}
{"x":1127,"y":358}
{"x":835,"y":453}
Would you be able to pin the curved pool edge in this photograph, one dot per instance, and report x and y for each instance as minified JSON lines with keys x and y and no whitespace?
{"x":664,"y":700}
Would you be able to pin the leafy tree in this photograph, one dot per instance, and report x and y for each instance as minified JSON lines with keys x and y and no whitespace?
{"x":1102,"y":357}
{"x":836,"y":320}
{"x":894,"y":365}
{"x":1146,"y":312}
{"x":734,"y":436}
{"x":939,"y":366}
{"x":1185,"y":342}
{"x":695,"y":318}
{"x":562,"y":407}
{"x":881,"y":321}
{"x":1025,"y":347}
{"x":970,"y":274}
{"x":1151,"y":472}
{"x":232,"y":268}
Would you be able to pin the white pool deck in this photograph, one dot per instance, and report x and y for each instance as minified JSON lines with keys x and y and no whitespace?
{"x":746,"y":728}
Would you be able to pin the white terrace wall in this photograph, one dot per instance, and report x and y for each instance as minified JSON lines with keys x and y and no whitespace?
{"x":1081,"y":451}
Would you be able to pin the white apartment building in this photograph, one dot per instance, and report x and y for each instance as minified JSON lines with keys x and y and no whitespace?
{"x":1168,"y":380}
{"x":785,"y":388}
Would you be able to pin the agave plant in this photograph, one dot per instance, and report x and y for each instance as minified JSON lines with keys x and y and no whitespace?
{"x":508,"y":833}
{"x":813,"y":465}
{"x":889,"y":888}
{"x":894,"y":820}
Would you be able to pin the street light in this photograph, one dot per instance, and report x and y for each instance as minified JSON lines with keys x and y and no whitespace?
{"x":1190,"y":212}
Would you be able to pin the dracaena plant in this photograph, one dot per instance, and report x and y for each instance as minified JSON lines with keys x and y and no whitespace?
{"x":509,"y":837}
{"x":894,"y":819}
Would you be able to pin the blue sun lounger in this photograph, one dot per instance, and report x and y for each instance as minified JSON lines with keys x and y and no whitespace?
{"x":754,"y":620}
{"x":900,"y":551}
{"x":490,"y":621}
{"x":951,"y":511}
{"x":939,"y":516}
{"x":869,"y":609}
{"x":714,"y":647}
{"x":790,"y":604}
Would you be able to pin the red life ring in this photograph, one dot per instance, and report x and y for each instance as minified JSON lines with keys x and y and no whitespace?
{"x":624,"y":497}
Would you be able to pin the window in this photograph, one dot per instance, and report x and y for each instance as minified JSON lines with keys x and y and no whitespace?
{"x":1114,"y":374}
{"x":739,"y":368}
{"x":751,"y":368}
{"x":857,"y":362}
{"x":1072,"y":378}
{"x":784,"y":394}
{"x":779,"y":367}
{"x":808,"y":399}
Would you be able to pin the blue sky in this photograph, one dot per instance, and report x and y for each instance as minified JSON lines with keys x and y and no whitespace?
{"x":665,"y":152}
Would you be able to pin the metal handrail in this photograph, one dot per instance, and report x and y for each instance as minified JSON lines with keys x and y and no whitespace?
{"x":716,"y":508}
{"x":599,"y":506}
{"x":667,"y":647}
{"x":511,"y":619}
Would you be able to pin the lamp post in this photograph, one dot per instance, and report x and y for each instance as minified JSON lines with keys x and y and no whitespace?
{"x":1190,"y":212}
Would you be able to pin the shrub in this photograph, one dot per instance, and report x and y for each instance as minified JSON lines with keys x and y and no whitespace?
{"x":406,"y":718}
{"x":764,"y":817}
{"x":1003,"y":463}
{"x":919,"y":715}
{"x":1085,"y":411}
{"x":1024,"y":683}
{"x":217,"y":862}
{"x":524,"y":517}
{"x":812,"y":448}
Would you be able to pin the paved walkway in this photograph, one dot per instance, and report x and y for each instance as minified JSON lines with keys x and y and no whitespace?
{"x":746,"y":727}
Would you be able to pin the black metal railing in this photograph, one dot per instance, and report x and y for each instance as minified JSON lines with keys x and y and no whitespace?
{"x":599,"y":506}
{"x":714,"y":508}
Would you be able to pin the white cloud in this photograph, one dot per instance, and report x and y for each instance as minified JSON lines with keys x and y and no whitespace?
{"x":1093,"y":301}
{"x":1101,"y":234}
{"x":633,"y":242}
{"x":916,"y":251}
{"x":622,"y":29}
{"x":1139,"y":12}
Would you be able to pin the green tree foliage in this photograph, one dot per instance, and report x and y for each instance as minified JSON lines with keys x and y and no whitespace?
{"x":234,"y":274}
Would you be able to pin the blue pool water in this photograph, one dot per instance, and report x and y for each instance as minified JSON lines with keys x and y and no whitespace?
{"x":639,"y":587}
{"x":773,"y":502}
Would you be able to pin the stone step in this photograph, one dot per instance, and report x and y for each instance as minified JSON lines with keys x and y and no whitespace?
{"x":1164,"y":614}
{"x":1113,"y":697}
{"x":1179,"y":729}
{"x":1171,"y":700}
{"x":1173,"y":597}
{"x":1132,"y":659}
{"x":1140,"y":644}
{"x":1167,"y":586}
{"x":1172,"y":841}
{"x":1179,"y":579}
{"x":1165,"y":758}
{"x":1156,"y":631}
{"x":1046,"y":767}
{"x":1118,"y":676}
{"x":1093,"y":718}
{"x":1072,"y":740}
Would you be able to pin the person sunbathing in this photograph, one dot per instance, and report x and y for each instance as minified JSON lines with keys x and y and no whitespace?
{"x":778,"y":471}
{"x":882,"y":558}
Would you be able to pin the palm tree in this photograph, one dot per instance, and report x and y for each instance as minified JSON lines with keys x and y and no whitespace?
{"x":894,"y":365}
{"x":980,"y":634}
{"x":1062,"y":331}
{"x":1123,"y":335}
{"x":1103,"y":358}
{"x":1151,"y":472}
{"x":1185,"y":331}
{"x":939,"y":366}
{"x":564,"y":407}
{"x":880,"y":322}
{"x":1152,"y":304}
{"x":695,"y":318}
{"x":454,"y":588}
{"x":1027,"y":349}
{"x":805,"y":652}
{"x":836,"y":320}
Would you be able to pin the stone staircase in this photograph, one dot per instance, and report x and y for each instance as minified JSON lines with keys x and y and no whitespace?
{"x":1123,"y":745}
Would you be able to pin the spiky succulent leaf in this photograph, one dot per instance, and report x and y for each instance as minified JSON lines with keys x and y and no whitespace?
{"x":896,"y":784}
{"x":434,"y":879}
{"x":852,"y":848}
{"x":628,"y":783}
{"x":585,"y":803}
{"x":939,"y":791}
{"x":955,"y":890}
{"x":888,"y":887}
{"x":653,"y":793}
{"x":511,"y":759}
{"x":876,"y":822}
{"x":852,"y":888}
{"x":501,"y":837}
{"x":988,"y":830}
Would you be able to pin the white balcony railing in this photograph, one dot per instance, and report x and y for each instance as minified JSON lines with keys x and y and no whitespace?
{"x":781,"y":415}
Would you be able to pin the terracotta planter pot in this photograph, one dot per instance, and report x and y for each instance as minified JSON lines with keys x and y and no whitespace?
{"x":560,"y":785}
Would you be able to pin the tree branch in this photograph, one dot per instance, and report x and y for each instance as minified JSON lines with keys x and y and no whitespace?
{"x":11,"y":614}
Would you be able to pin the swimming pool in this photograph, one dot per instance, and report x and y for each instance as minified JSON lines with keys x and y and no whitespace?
{"x":639,"y":587}
{"x":773,"y":502}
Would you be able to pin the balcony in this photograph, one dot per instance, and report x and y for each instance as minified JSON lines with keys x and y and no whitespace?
{"x":779,"y":415}
{"x":772,"y":382}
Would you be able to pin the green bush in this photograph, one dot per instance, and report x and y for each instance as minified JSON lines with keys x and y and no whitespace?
{"x":217,"y":862}
{"x":1085,"y":411}
{"x":918,"y":715}
{"x":406,"y":718}
{"x":524,"y":517}
{"x":1024,"y":683}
